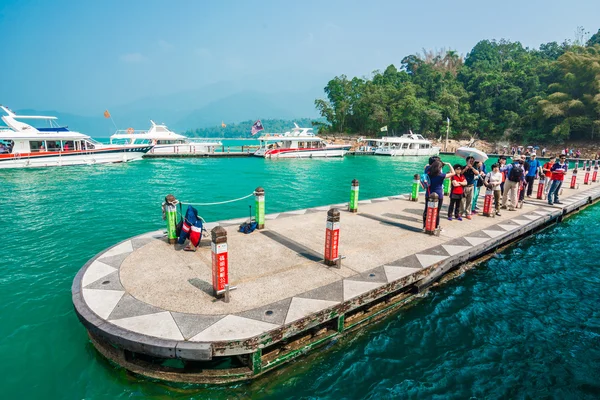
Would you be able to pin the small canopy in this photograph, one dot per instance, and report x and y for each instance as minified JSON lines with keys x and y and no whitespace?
{"x":465,"y":152}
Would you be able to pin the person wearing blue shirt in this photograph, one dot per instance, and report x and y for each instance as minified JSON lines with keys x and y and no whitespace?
{"x":534,"y":168}
{"x":436,"y":179}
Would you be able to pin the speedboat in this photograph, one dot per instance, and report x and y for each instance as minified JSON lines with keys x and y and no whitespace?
{"x":406,"y":145}
{"x":298,"y":143}
{"x":165,"y":141}
{"x":23,"y":145}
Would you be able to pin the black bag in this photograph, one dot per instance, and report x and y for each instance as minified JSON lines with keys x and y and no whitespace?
{"x":516,"y":173}
{"x":479,"y":181}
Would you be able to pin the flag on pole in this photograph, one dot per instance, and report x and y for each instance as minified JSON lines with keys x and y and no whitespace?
{"x":448,"y":119}
{"x":106,"y":114}
{"x":223,"y":124}
{"x":257,"y":127}
{"x":383,"y":129}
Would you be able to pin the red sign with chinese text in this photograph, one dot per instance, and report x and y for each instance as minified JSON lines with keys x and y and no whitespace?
{"x":332,"y":241}
{"x":220,"y":269}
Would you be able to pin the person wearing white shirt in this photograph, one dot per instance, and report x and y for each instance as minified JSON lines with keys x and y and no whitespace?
{"x":493,"y":180}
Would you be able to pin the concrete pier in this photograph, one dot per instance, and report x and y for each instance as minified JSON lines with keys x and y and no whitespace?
{"x":149,"y":306}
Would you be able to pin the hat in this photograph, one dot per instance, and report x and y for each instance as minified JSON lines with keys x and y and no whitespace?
{"x":170,"y":199}
{"x":516,"y":157}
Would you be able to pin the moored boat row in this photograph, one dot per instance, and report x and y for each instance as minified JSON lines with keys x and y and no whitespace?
{"x":24,"y":145}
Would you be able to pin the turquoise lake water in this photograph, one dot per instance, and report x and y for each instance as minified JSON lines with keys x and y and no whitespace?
{"x":525,"y":323}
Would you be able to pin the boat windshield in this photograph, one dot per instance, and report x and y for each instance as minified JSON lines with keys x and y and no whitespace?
{"x":6,"y":146}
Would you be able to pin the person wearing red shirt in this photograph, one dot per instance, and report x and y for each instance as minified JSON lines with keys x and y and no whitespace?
{"x":559,"y":169}
{"x":548,"y":174}
{"x":458,"y":183}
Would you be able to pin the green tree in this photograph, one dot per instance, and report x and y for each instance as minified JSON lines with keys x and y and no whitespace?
{"x":573,"y":107}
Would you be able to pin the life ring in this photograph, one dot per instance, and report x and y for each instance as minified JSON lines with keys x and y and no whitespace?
{"x":130,"y":130}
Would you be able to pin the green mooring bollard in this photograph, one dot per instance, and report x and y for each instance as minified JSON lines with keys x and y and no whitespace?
{"x":169,"y":208}
{"x":259,"y":196}
{"x":446,"y":187}
{"x":353,"y":205}
{"x":414,"y":195}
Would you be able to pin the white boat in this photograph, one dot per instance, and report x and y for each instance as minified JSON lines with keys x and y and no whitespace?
{"x":165,"y":141}
{"x":298,"y":143}
{"x":23,"y":146}
{"x":406,"y":145}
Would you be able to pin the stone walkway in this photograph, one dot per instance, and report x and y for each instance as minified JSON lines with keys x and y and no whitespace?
{"x":146,"y":291}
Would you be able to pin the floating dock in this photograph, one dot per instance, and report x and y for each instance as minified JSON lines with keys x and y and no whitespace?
{"x":226,"y":154}
{"x":149,"y":307}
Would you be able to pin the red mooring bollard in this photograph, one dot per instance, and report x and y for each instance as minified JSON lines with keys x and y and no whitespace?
{"x":332,"y":236}
{"x":220,"y":267}
{"x":487,"y":203}
{"x":574,"y":176}
{"x":586,"y":177}
{"x":432,"y":213}
{"x":595,"y":175}
{"x":540,"y":191}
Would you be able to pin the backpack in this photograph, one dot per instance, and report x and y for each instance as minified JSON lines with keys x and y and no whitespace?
{"x":425,"y":181}
{"x":516,"y":173}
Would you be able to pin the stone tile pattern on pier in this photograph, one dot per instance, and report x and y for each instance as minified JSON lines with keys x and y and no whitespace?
{"x":112,"y":285}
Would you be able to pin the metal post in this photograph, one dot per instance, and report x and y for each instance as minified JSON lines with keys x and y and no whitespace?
{"x":259,"y":197}
{"x":169,"y":208}
{"x":447,"y":131}
{"x":414,"y":195}
{"x":332,"y":236}
{"x":353,"y":205}
{"x":431,"y":216}
{"x":220,"y":267}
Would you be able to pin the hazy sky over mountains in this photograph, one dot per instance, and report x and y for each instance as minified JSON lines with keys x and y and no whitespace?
{"x":85,"y":56}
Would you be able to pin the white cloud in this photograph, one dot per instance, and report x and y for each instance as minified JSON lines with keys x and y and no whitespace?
{"x":131,"y":58}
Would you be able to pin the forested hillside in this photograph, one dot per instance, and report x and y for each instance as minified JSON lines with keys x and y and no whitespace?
{"x":500,"y":90}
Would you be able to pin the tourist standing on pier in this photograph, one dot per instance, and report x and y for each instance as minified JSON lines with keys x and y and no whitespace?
{"x":559,"y":169}
{"x":458,"y":183}
{"x":502,"y":167}
{"x":515,"y":174}
{"x":470,"y":173}
{"x":493,"y":180}
{"x":548,"y":174}
{"x":535,"y":168}
{"x":436,"y":185}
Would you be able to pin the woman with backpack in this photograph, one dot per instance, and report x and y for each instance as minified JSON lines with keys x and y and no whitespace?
{"x":436,"y":178}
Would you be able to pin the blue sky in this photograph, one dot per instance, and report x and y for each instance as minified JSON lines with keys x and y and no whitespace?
{"x":84,"y":56}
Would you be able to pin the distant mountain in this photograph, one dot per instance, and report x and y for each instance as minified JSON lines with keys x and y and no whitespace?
{"x":242,"y":129}
{"x":250,"y":105}
{"x":276,"y":95}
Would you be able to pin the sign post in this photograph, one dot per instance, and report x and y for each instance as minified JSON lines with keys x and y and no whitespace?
{"x":220,"y":267}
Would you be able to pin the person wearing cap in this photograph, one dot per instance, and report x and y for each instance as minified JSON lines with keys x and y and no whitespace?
{"x":535,"y":168}
{"x":559,"y":169}
{"x":548,"y":174}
